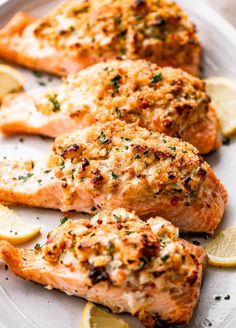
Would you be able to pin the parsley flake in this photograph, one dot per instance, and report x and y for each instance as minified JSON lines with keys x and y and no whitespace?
{"x":37,"y":246}
{"x":157,"y":78}
{"x":103,"y":138}
{"x":25,"y":177}
{"x":114,"y":175}
{"x":63,"y":220}
{"x":115,"y":82}
{"x":56,"y":104}
{"x":165,"y":257}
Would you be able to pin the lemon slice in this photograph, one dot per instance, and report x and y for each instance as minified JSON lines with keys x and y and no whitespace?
{"x":222,"y":249}
{"x":222,"y":91}
{"x":14,"y":229}
{"x":10,"y":80}
{"x":94,"y":317}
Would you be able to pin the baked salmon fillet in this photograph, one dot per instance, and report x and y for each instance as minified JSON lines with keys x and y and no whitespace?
{"x":165,"y":100}
{"x":117,"y":260}
{"x":120,"y":165}
{"x":80,"y":33}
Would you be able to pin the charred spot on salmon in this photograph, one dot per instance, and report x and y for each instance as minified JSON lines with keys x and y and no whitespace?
{"x":171,"y":175}
{"x":187,"y":180}
{"x":70,"y":151}
{"x":97,"y":177}
{"x":192,"y":278}
{"x":85,"y":163}
{"x":97,"y":274}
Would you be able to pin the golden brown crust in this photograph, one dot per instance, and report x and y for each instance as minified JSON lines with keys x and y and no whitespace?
{"x":143,"y":266}
{"x":121,"y":165}
{"x":80,"y":33}
{"x":164,"y":100}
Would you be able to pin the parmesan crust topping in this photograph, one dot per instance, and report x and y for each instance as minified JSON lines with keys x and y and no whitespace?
{"x":161,"y":99}
{"x":129,"y":161}
{"x":116,"y":246}
{"x":153,"y":29}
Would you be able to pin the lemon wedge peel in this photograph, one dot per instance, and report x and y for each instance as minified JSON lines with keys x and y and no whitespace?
{"x":222,"y":249}
{"x":94,"y":317}
{"x":14,"y":229}
{"x":11,"y":81}
{"x":222,"y":91}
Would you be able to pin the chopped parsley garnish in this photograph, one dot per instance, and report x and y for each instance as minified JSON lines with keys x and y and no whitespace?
{"x":227,"y":297}
{"x":172,"y":148}
{"x":146,"y":153}
{"x":142,"y":262}
{"x":115,"y":82}
{"x":63,"y":220}
{"x":39,"y":181}
{"x":56,"y":104}
{"x":47,"y":171}
{"x":93,"y":209}
{"x":118,"y":112}
{"x":128,"y":232}
{"x":25,"y":177}
{"x":165,"y":257}
{"x":136,"y":156}
{"x":114,"y":175}
{"x":157,"y":78}
{"x":103,"y":138}
{"x":37,"y":246}
{"x":126,"y":139}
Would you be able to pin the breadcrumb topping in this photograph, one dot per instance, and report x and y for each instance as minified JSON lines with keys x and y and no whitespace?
{"x":161,"y":99}
{"x":152,"y":29}
{"x":129,"y":161}
{"x":118,"y":247}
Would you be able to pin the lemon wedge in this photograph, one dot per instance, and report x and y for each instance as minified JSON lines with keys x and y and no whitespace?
{"x":222,"y":91}
{"x":14,"y":229}
{"x":94,"y":317}
{"x":222,"y":249}
{"x":10,"y":80}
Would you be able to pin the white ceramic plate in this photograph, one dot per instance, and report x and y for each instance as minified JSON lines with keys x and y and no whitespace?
{"x":24,"y":304}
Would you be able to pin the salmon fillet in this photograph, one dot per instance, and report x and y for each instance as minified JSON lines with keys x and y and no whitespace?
{"x":80,"y":33}
{"x":120,"y":165}
{"x":165,"y":100}
{"x":119,"y":261}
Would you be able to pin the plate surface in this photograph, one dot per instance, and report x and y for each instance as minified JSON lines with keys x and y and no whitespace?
{"x":24,"y":304}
